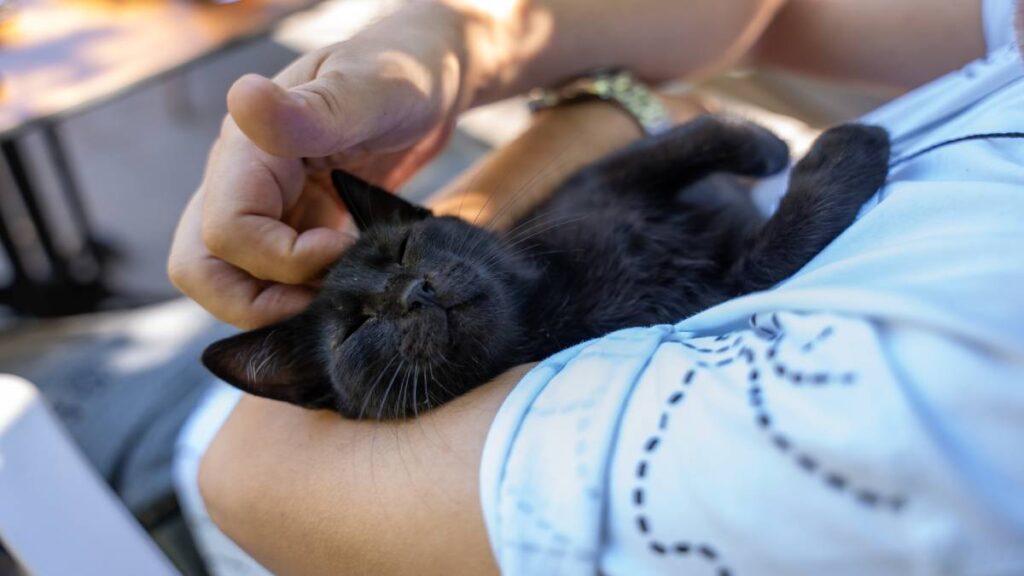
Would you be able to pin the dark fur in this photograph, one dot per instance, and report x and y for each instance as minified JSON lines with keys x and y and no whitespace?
{"x":424,"y":308}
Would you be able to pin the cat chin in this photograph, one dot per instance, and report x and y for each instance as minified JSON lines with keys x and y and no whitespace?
{"x":416,"y":363}
{"x":402,"y":390}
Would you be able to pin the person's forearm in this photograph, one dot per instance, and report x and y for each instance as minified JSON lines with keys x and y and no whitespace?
{"x":515,"y":45}
{"x":899,"y":44}
{"x":311,"y":493}
{"x":512,"y":179}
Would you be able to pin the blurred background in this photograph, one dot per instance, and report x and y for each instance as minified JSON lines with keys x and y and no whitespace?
{"x":107,"y":110}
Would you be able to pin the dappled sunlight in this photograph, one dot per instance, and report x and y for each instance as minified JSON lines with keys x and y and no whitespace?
{"x":407,"y":69}
{"x":61,"y":55}
{"x":497,"y":9}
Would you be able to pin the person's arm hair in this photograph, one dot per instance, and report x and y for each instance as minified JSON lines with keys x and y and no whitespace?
{"x":897,"y":44}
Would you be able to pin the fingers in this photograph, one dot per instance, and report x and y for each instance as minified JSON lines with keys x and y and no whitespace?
{"x":273,"y":251}
{"x":325,"y":116}
{"x":237,"y":298}
{"x":225,"y":291}
{"x":249,"y":194}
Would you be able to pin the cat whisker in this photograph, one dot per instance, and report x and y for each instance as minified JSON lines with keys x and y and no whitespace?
{"x":516,"y":196}
{"x":438,"y":381}
{"x":521,"y":251}
{"x":544,"y":171}
{"x":508,"y":250}
{"x":369,"y":393}
{"x":430,"y":378}
{"x":415,"y":392}
{"x":387,"y":392}
{"x":527,"y":223}
{"x":518,"y":246}
{"x":400,"y":411}
{"x":551,"y":226}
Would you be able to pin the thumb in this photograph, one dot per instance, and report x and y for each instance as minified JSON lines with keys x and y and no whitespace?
{"x":323,"y":117}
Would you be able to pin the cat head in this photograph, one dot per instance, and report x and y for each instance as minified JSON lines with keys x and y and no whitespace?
{"x":421,"y":309}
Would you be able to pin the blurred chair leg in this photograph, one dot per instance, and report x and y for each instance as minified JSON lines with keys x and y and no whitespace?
{"x":88,"y":264}
{"x":68,"y":285}
{"x":30,"y":200}
{"x":10,"y":247}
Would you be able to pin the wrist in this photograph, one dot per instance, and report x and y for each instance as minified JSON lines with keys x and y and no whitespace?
{"x":464,"y":31}
{"x":610,"y":124}
{"x":484,"y":35}
{"x":438,"y":44}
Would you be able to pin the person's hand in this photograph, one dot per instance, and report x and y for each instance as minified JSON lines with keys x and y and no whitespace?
{"x":265,"y":221}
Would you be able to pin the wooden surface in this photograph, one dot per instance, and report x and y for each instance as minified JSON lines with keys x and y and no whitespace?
{"x":61,"y":56}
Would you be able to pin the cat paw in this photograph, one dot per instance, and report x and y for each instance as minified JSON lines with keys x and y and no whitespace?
{"x":759,"y":151}
{"x":848,"y":162}
{"x":772,"y":152}
{"x":859,"y":144}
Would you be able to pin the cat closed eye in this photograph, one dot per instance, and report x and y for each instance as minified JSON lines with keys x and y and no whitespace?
{"x":400,"y":258}
{"x":356,"y":325}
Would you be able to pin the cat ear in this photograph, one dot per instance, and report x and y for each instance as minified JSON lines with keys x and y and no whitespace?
{"x":274,"y":362}
{"x":371,"y":205}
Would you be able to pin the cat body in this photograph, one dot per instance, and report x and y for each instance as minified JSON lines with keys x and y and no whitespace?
{"x":424,"y":308}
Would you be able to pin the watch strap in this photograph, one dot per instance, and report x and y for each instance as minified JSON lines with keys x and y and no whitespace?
{"x":617,"y":86}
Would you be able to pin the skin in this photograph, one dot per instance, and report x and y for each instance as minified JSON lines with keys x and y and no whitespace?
{"x":407,"y":483}
{"x":832,"y":40}
{"x":309,"y":493}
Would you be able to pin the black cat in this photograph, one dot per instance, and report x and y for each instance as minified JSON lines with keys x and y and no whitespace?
{"x":424,"y":308}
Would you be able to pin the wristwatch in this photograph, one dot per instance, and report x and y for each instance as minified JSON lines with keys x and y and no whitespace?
{"x":617,"y":86}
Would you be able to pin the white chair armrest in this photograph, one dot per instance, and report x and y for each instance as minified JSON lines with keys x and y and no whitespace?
{"x":56,"y":515}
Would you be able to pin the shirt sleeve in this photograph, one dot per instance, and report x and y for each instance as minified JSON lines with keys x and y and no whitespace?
{"x":801,"y":443}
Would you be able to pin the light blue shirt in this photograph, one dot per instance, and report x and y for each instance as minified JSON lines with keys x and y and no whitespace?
{"x":864,"y":417}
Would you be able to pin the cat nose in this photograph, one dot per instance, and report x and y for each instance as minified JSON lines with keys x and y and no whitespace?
{"x":416,"y":294}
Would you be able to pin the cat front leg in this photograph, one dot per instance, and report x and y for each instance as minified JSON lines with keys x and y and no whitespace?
{"x":845,"y":167}
{"x":668,"y":162}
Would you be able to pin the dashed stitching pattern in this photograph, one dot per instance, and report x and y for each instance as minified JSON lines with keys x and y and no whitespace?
{"x":680,"y":548}
{"x":721,"y":349}
{"x":822,"y":336}
{"x":784,"y":444}
{"x":798,"y":377}
{"x":775,"y":335}
{"x":762,"y":331}
{"x":836,"y":481}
